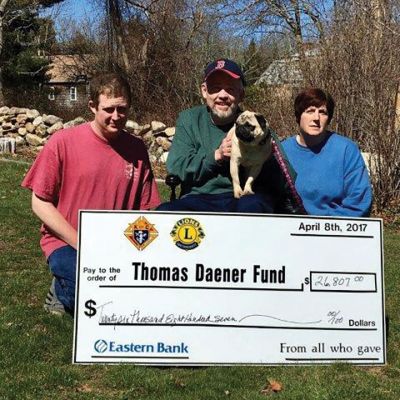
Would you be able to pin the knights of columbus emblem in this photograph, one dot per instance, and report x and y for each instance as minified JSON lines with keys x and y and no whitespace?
{"x":141,"y":233}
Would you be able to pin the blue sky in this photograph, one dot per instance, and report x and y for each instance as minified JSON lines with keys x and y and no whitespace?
{"x":74,"y":9}
{"x":70,"y":14}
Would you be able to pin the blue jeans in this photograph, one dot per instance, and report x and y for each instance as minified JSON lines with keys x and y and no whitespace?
{"x":223,"y":202}
{"x":62,"y":263}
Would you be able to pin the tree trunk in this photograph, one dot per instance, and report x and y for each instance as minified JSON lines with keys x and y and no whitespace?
{"x":116,"y":26}
{"x":3,"y":5}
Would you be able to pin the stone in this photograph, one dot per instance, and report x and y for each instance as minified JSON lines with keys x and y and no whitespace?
{"x":50,"y":120}
{"x":170,"y":131}
{"x":152,"y":158}
{"x":151,"y":146}
{"x":79,"y":120}
{"x":7,"y":126}
{"x":157,"y":126}
{"x":30,"y":128}
{"x":74,"y":122}
{"x":159,"y":151}
{"x":20,"y":141}
{"x":148,"y":136}
{"x":56,"y":127}
{"x":163,"y":157}
{"x":21,"y":119}
{"x":163,"y":142}
{"x":17,"y":110}
{"x":34,"y":140}
{"x":4,"y":110}
{"x":142,"y":130}
{"x":41,"y":130}
{"x":131,"y":126}
{"x":22,"y":131}
{"x":37,"y":121}
{"x":158,"y":134}
{"x":32,"y":114}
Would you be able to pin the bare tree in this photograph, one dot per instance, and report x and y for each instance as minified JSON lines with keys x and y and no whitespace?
{"x":301,"y":19}
{"x":356,"y":60}
{"x":116,"y":36}
{"x":3,"y":5}
{"x":359,"y":65}
{"x":162,"y":46}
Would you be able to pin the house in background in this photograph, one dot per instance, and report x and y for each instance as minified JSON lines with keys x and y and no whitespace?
{"x":67,"y":81}
{"x":285,"y":73}
{"x":282,"y":72}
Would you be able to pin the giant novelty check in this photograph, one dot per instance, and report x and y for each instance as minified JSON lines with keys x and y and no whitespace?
{"x":205,"y":289}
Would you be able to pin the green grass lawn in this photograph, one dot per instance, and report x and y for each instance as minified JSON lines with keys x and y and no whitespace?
{"x":36,"y":348}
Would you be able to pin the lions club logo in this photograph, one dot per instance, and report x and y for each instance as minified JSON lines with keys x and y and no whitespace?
{"x":141,"y":233}
{"x":187,"y":233}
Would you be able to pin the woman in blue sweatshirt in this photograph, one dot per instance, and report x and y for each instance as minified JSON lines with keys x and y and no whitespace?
{"x":331,"y":175}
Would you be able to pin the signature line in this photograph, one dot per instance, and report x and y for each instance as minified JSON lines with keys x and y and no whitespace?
{"x":278,"y":319}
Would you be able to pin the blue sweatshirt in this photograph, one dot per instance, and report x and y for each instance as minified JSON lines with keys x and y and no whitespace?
{"x":331,"y":178}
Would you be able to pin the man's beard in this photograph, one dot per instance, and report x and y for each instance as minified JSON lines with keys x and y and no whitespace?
{"x":224,"y":117}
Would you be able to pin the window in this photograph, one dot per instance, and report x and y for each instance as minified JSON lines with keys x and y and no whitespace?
{"x":73,"y":93}
{"x":52,"y":93}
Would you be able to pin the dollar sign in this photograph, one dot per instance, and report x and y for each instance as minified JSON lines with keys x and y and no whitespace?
{"x":91,"y":309}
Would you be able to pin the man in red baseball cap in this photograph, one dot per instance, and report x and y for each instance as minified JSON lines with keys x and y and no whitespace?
{"x":225,"y":65}
{"x":201,"y":148}
{"x":222,"y":91}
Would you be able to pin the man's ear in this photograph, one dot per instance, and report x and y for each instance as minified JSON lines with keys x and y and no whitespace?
{"x":204,"y":91}
{"x":92,"y":107}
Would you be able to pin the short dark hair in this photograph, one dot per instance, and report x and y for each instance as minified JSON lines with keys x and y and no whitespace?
{"x":313,"y":97}
{"x":109,"y":84}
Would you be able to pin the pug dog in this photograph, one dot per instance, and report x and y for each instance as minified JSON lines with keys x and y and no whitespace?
{"x":251,"y":147}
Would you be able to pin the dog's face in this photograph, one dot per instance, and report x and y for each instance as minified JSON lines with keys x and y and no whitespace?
{"x":251,"y":147}
{"x":252,"y":128}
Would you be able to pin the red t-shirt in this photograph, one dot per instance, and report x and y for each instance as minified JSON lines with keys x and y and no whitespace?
{"x":79,"y":170}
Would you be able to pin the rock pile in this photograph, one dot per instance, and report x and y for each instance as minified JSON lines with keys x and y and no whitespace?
{"x":157,"y":137}
{"x":26,"y":127}
{"x":23,"y":127}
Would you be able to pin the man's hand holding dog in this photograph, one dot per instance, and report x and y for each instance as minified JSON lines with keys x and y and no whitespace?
{"x":223,"y":152}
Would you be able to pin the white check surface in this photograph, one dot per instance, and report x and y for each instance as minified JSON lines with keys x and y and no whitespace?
{"x":256,"y":290}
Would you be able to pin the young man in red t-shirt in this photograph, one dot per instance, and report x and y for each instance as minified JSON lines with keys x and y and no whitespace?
{"x":96,"y":165}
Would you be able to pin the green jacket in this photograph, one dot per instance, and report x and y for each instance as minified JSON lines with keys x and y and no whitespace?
{"x":191,"y":158}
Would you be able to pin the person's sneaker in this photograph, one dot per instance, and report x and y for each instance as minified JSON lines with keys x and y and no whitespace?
{"x":52,"y":304}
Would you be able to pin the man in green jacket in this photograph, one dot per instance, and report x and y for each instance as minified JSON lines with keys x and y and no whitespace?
{"x":201,"y":148}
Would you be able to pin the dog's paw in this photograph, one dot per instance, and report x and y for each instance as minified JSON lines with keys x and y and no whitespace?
{"x":237,"y":192}
{"x":247,"y":190}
